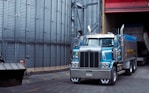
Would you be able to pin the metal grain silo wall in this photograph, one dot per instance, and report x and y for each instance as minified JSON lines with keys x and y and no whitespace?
{"x":37,"y":31}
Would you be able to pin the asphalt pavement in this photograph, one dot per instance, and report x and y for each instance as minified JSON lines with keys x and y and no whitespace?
{"x":58,"y":82}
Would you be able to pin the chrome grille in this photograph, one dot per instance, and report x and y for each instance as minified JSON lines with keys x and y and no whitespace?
{"x":89,"y":59}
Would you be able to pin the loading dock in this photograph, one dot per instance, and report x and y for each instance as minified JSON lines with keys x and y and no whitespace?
{"x":133,"y":13}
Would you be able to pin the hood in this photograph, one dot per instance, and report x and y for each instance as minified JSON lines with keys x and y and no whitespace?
{"x":106,"y":54}
{"x":90,"y":48}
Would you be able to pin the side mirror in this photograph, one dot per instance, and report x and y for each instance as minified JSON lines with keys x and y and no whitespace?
{"x":115,"y":44}
{"x":76,"y":42}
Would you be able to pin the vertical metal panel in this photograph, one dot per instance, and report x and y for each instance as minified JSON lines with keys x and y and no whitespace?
{"x":1,"y":18}
{"x":53,"y":61}
{"x":39,"y":56}
{"x":31,"y":60}
{"x":31,"y":20}
{"x":68,"y":57}
{"x":69,"y":21}
{"x":58,"y":55}
{"x":1,"y":23}
{"x":17,"y":20}
{"x":53,"y":11}
{"x":46,"y":56}
{"x":28,"y":21}
{"x":63,"y":55}
{"x":11,"y":19}
{"x":47,"y":21}
{"x":10,"y":52}
{"x":22,"y":20}
{"x":39,"y":20}
{"x":20,"y":53}
{"x":59,"y":20}
{"x":63,"y":21}
{"x":65,"y":18}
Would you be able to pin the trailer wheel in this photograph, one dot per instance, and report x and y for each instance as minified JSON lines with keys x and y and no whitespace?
{"x":113,"y":76}
{"x":130,"y":70}
{"x":75,"y":80}
{"x":134,"y":68}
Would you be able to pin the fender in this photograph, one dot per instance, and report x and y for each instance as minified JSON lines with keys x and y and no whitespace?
{"x":126,"y":65}
{"x":112,"y":64}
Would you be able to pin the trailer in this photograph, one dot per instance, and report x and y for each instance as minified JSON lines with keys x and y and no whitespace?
{"x":138,"y":30}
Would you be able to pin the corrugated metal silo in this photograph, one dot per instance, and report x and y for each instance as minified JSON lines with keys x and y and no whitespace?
{"x":37,"y":31}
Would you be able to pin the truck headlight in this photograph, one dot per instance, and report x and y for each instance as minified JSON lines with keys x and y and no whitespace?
{"x":74,"y":64}
{"x":75,"y":55}
{"x":105,"y":65}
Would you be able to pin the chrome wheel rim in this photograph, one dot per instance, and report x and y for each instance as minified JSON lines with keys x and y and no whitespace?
{"x":114,"y":76}
{"x":76,"y":80}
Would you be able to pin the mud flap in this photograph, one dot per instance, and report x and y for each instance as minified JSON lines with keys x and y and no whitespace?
{"x":11,"y":74}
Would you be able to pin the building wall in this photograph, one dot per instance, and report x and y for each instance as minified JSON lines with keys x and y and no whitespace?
{"x":36,"y":30}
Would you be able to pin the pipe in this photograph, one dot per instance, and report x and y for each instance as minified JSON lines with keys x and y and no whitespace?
{"x":122,"y":41}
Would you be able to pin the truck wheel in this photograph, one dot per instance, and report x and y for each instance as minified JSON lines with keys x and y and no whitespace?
{"x":104,"y":81}
{"x":113,"y":76}
{"x":130,"y":70}
{"x":143,"y":63}
{"x":134,"y":67}
{"x":75,"y":80}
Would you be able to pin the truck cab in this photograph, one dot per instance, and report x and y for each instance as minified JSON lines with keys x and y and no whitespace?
{"x":93,"y":60}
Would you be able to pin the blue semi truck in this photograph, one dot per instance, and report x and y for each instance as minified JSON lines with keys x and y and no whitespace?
{"x":103,"y":57}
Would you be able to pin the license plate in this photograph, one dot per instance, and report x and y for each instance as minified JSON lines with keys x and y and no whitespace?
{"x":89,"y":74}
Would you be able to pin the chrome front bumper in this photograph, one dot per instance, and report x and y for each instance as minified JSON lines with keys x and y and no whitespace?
{"x":90,"y":73}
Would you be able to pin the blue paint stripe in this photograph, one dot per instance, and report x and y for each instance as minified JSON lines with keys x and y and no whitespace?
{"x":130,"y":38}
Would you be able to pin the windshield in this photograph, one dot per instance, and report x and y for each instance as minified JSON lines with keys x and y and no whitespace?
{"x":104,"y":42}
{"x":93,"y":42}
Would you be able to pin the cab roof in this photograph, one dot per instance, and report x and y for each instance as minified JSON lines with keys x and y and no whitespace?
{"x":100,"y":36}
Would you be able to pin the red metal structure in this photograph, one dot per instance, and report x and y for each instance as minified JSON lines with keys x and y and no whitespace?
{"x":118,"y":6}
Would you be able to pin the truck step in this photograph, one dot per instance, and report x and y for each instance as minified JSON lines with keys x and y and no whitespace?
{"x":121,"y":72}
{"x":119,"y":65}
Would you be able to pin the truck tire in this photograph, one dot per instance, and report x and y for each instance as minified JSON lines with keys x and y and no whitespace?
{"x":130,"y":70}
{"x":113,"y":76}
{"x":75,"y":80}
{"x":143,"y":63}
{"x":134,"y":68}
{"x":104,"y":81}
